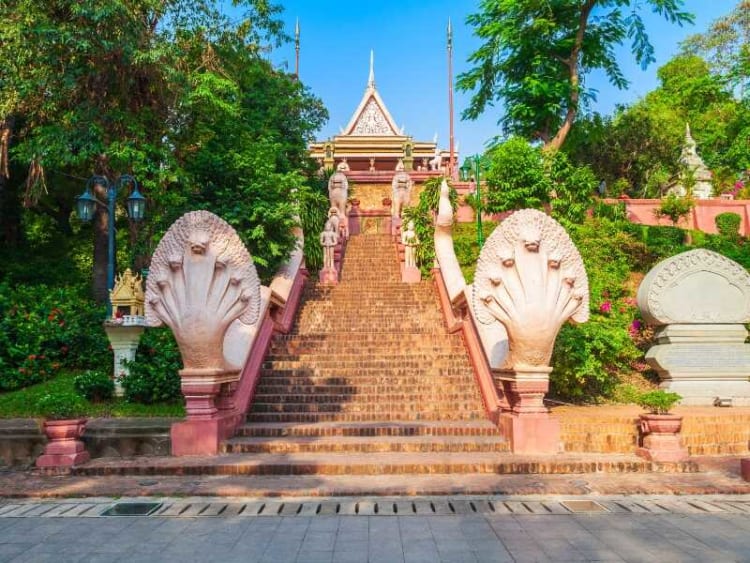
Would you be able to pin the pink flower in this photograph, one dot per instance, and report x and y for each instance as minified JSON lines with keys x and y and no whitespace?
{"x":605,"y":307}
{"x":635,"y":327}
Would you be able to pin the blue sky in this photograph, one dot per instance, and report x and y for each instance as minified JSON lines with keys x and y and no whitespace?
{"x":408,"y":38}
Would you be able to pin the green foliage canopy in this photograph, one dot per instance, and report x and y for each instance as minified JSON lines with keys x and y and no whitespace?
{"x":535,"y":57}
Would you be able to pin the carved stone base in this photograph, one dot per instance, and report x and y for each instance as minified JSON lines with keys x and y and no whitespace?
{"x":64,"y":449}
{"x":211,"y":414}
{"x":410,"y":274}
{"x":201,"y":437}
{"x":526,"y":389}
{"x":329,"y":276}
{"x":531,"y":433}
{"x":703,"y":362}
{"x":661,"y":439}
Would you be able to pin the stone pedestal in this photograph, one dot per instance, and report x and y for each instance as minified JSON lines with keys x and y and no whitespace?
{"x":65,"y":448}
{"x":703,"y":362}
{"x":124,"y":340}
{"x":661,"y":438}
{"x":528,"y":425}
{"x":355,"y":226}
{"x":329,"y":276}
{"x":210,"y":417}
{"x":410,"y":274}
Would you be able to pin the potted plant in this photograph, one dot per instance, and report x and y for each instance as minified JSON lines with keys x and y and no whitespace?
{"x":63,"y":425}
{"x":660,"y":428}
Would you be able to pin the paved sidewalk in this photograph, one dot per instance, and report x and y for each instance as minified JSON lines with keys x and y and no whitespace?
{"x":717,"y":475}
{"x":491,"y":536}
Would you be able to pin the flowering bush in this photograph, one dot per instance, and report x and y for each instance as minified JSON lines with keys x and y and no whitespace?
{"x":589,"y":358}
{"x":42,"y":329}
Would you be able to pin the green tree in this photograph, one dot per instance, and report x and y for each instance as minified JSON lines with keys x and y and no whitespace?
{"x":536,"y":55}
{"x":175,"y":93}
{"x":523,"y":176}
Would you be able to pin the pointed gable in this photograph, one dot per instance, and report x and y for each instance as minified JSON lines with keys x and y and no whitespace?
{"x":371,"y":118}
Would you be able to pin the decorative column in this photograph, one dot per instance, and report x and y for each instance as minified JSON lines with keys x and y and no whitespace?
{"x":124,"y":339}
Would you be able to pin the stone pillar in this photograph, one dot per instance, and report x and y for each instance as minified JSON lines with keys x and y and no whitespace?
{"x":209,"y":408}
{"x":528,"y":425}
{"x":124,"y":340}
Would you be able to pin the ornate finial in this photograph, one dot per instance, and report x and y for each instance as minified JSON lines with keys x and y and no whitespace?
{"x":371,"y":80}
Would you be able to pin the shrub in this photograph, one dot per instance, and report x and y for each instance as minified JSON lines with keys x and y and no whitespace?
{"x":61,"y":406}
{"x":33,"y":369}
{"x":94,"y":385}
{"x":658,"y":401}
{"x":42,"y":328}
{"x":728,"y":225}
{"x":423,"y":216}
{"x":674,"y":208}
{"x":153,"y":375}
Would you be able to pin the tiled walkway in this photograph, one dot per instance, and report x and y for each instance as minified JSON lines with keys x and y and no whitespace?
{"x":700,"y":533}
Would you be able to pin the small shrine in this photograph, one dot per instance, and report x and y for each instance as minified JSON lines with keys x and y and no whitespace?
{"x":127,"y":296}
{"x":693,"y":166}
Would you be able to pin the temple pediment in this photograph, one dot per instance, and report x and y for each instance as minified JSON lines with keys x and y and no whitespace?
{"x":371,"y":118}
{"x":371,"y":121}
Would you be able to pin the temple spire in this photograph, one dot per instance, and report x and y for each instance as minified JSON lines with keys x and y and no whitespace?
{"x":371,"y":80}
{"x":296,"y":49}
{"x":451,"y":148}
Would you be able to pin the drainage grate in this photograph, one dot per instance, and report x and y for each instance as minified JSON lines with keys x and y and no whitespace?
{"x":132,"y":509}
{"x":381,"y":507}
{"x":583,"y":506}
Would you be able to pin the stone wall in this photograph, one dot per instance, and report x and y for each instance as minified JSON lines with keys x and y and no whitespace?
{"x":701,"y":217}
{"x":22,"y":441}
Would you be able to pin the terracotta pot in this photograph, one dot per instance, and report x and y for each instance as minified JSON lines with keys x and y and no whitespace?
{"x":660,"y":423}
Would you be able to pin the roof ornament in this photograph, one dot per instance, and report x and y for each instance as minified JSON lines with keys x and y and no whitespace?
{"x":371,"y":80}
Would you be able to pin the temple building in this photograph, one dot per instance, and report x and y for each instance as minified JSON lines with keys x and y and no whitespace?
{"x":371,"y":146}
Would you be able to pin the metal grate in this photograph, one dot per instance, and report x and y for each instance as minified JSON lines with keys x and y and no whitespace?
{"x":132,"y":509}
{"x":385,"y":507}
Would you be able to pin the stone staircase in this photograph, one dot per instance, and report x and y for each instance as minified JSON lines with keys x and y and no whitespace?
{"x":368,"y":381}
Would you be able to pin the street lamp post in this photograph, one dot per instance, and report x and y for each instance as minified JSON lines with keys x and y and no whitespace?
{"x":86,"y":206}
{"x":476,"y":163}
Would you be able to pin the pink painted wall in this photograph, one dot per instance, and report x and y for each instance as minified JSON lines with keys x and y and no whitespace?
{"x":701,"y":218}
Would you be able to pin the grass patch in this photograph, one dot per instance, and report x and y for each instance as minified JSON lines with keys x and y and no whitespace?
{"x":22,"y":403}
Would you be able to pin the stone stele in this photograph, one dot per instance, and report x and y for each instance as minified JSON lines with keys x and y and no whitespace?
{"x":699,"y":301}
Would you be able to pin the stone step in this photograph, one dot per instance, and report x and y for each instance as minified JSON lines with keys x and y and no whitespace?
{"x":361,"y":417}
{"x":420,"y":365}
{"x":404,"y":407}
{"x":380,"y":390}
{"x":371,"y":428}
{"x":359,"y":398}
{"x":340,"y":444}
{"x":344,"y":377}
{"x":369,"y":464}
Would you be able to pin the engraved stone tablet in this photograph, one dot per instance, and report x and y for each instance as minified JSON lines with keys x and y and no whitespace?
{"x":696,"y":287}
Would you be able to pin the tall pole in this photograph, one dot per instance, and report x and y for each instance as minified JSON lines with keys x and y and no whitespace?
{"x":451,"y":160}
{"x":480,"y":233}
{"x":296,"y":49}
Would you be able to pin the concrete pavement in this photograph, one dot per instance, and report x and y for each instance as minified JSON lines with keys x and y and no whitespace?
{"x":636,"y":528}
